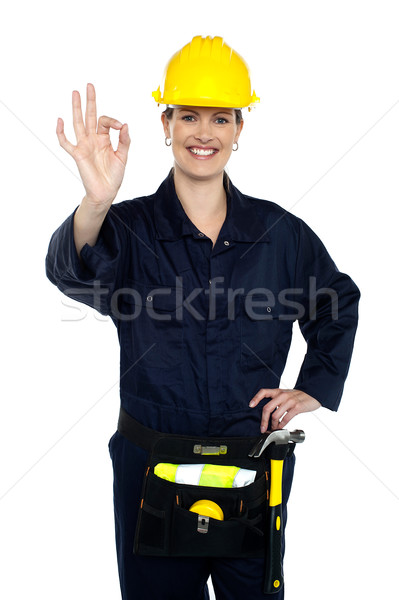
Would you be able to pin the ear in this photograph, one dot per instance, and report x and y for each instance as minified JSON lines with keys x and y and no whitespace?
{"x":165,"y":123}
{"x":239,"y":129}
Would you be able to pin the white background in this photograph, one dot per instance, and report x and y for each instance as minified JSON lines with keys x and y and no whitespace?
{"x":322,"y":143}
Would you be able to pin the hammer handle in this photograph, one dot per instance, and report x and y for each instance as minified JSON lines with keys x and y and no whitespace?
{"x":274,"y":573}
{"x":274,"y":576}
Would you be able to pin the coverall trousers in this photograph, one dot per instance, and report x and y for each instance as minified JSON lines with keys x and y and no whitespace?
{"x":169,"y":578}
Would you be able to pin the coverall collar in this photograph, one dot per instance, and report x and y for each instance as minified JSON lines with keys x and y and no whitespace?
{"x":242,"y":223}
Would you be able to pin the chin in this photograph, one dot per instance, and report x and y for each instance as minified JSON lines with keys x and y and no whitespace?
{"x":203,"y":170}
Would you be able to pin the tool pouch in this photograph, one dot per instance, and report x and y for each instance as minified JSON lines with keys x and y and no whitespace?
{"x":166,"y":526}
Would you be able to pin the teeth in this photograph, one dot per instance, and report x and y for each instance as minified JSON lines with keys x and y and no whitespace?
{"x":201,"y":152}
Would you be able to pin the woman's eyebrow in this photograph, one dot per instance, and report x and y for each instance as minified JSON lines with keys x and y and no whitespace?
{"x":222,"y":112}
{"x":219,"y":112}
{"x":187,"y":110}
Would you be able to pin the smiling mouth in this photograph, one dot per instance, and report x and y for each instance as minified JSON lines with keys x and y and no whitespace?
{"x":203,"y":151}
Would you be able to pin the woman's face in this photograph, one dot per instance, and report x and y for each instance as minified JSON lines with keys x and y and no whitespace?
{"x":202,"y":139}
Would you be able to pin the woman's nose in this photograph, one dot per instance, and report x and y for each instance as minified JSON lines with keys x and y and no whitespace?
{"x":204,"y":133}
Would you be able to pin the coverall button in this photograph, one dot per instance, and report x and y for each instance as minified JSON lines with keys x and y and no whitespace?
{"x":149,"y":298}
{"x":269,"y":309}
{"x":201,"y":234}
{"x":226,"y":243}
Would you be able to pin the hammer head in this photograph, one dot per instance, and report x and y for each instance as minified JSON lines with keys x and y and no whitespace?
{"x":278,"y":437}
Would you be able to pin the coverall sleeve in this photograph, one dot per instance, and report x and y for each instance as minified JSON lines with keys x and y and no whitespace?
{"x":329,"y":322}
{"x":92,"y":279}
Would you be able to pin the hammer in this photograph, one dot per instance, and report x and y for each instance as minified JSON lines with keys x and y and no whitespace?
{"x":278,"y":444}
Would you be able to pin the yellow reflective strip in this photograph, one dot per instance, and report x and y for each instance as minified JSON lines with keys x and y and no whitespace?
{"x":278,"y":523}
{"x":218,"y":476}
{"x":166,"y":471}
{"x":276,"y":474}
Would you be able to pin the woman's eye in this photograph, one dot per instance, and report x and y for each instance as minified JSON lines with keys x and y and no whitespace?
{"x":221,"y":121}
{"x":188,"y":118}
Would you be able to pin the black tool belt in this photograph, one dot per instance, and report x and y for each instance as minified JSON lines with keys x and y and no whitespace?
{"x":166,"y":526}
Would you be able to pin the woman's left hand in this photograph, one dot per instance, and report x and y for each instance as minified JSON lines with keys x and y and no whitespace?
{"x":284,"y":404}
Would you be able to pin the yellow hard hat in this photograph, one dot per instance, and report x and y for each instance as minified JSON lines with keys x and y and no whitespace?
{"x":206,"y":72}
{"x":208,"y":508}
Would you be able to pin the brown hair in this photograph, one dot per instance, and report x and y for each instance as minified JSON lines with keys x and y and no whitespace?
{"x":168,"y":112}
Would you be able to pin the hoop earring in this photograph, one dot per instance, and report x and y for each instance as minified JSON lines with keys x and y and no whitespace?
{"x":236,"y":148}
{"x":168,"y":140}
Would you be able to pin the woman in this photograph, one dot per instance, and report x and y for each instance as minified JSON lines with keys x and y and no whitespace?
{"x":203,"y":284}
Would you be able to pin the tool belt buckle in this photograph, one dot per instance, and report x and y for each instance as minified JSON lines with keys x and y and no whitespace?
{"x":209,"y":450}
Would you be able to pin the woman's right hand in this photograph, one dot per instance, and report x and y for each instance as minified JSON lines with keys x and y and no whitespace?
{"x":100,"y":167}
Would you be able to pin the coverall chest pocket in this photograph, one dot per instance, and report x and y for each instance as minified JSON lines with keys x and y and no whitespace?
{"x":258,"y":327}
{"x":151,"y":325}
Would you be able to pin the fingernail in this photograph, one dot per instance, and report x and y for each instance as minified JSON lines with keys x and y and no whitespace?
{"x":252,"y":403}
{"x":262,"y":429}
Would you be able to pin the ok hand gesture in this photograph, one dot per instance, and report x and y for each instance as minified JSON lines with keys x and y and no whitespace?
{"x":100,"y":167}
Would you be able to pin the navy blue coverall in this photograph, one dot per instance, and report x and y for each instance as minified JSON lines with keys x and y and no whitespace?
{"x":201,"y":330}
